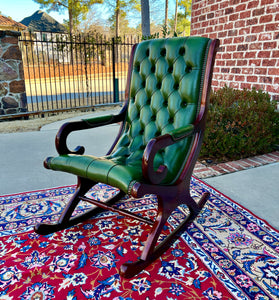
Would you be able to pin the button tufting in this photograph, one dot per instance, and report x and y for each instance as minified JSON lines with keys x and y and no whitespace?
{"x":153,"y":118}
{"x":182,"y":51}
{"x":153,"y":69}
{"x":188,"y":69}
{"x":170,"y":69}
{"x":176,"y":85}
{"x":137,"y":66}
{"x":158,"y":85}
{"x":163,"y":52}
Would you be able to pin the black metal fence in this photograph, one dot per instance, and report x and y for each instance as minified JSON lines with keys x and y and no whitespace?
{"x":64,"y":72}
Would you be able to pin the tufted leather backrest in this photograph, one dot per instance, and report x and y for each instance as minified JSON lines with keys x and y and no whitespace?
{"x":165,"y":94}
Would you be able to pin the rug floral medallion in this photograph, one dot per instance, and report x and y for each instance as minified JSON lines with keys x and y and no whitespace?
{"x":227,"y":253}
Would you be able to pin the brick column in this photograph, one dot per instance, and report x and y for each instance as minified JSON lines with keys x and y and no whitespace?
{"x":12,"y":86}
{"x":249,"y":36}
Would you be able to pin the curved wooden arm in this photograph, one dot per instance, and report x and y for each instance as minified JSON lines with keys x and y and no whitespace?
{"x":67,"y":128}
{"x":154,"y":146}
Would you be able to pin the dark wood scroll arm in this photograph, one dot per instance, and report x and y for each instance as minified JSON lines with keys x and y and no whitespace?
{"x":67,"y":128}
{"x":154,"y":146}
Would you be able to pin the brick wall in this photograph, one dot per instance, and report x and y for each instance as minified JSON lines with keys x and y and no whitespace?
{"x":249,"y":41}
{"x":12,"y":85}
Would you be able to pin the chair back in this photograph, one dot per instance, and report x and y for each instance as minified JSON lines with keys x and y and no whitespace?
{"x":165,"y":93}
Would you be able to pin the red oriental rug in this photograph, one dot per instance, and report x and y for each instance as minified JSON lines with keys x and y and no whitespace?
{"x":227,"y":253}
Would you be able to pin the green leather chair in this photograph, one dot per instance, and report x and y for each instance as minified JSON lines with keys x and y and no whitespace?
{"x":162,"y":125}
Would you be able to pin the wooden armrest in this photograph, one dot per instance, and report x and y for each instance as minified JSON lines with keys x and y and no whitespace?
{"x":155,"y":145}
{"x":67,"y":128}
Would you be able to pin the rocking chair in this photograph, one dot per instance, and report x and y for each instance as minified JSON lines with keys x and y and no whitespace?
{"x":162,"y":125}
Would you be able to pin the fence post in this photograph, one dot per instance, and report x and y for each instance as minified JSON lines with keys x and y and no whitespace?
{"x":12,"y":85}
{"x":115,"y":80}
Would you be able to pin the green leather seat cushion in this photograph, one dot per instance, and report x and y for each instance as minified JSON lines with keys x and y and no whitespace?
{"x":99,"y":169}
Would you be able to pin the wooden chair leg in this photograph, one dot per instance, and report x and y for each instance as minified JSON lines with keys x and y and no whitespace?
{"x":151,"y":252}
{"x":66,"y":220}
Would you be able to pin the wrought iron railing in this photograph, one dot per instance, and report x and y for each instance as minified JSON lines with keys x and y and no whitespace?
{"x":64,"y":72}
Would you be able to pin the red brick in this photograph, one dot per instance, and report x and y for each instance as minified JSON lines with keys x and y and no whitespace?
{"x":255,"y":62}
{"x":241,"y":7}
{"x":240,"y":23}
{"x":247,"y":71}
{"x":270,"y":45}
{"x":223,"y":20}
{"x":244,"y":15}
{"x":242,"y":62}
{"x":265,"y":2}
{"x":219,"y":63}
{"x":244,"y":31}
{"x":231,"y":48}
{"x":250,"y":54}
{"x":265,"y":79}
{"x":252,"y":78}
{"x":255,"y":46}
{"x":252,"y":4}
{"x":252,"y":21}
{"x":257,"y":29}
{"x":268,"y":158}
{"x":236,"y":165}
{"x":239,"y":39}
{"x":222,"y":34}
{"x":253,"y":163}
{"x":269,"y":62}
{"x":266,"y":19}
{"x":272,"y":9}
{"x":261,"y":71}
{"x":234,"y":17}
{"x":238,"y":55}
{"x":227,"y":41}
{"x":275,"y":155}
{"x":272,"y":89}
{"x":231,"y":63}
{"x":258,"y":12}
{"x":228,"y":26}
{"x":245,"y":85}
{"x":272,"y":26}
{"x":275,"y":53}
{"x":224,"y":4}
{"x":264,"y":54}
{"x":273,"y":71}
{"x":239,"y":78}
{"x":265,"y":36}
{"x":236,"y":70}
{"x":226,"y":167}
{"x":243,"y":163}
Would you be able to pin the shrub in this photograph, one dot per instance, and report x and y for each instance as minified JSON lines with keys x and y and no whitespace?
{"x":240,"y":123}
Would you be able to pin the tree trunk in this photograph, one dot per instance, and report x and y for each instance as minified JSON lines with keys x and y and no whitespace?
{"x":117,"y":16}
{"x":166,"y":14}
{"x":71,"y":22}
{"x":175,"y":16}
{"x":145,"y":18}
